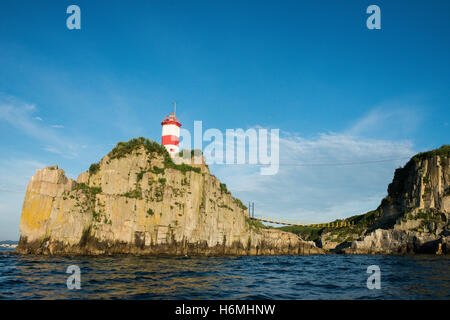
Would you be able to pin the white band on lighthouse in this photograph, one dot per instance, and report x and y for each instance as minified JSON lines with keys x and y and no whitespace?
{"x":170,"y":130}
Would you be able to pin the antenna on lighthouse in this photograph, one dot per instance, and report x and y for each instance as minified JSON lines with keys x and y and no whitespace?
{"x":175,"y":108}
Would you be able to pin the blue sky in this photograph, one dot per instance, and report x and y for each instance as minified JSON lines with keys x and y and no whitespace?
{"x":337,"y":91}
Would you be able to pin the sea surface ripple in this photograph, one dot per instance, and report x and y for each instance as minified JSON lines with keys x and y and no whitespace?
{"x":265,"y":277}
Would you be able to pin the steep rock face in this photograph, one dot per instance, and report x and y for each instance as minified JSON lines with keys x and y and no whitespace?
{"x":423,"y":183}
{"x":139,"y":202}
{"x":414,"y":217}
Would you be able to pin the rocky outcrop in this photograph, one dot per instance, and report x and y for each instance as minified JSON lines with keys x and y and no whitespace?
{"x":414,"y":217}
{"x":137,"y":200}
{"x":419,"y":232}
{"x":332,"y":239}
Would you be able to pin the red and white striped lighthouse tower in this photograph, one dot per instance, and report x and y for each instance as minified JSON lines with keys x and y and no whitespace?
{"x":171,"y":133}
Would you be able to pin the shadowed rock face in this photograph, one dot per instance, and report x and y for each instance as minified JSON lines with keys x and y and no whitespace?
{"x":421,"y":184}
{"x":137,"y":202}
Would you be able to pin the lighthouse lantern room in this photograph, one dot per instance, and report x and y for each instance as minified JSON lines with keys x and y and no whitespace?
{"x":171,"y":134}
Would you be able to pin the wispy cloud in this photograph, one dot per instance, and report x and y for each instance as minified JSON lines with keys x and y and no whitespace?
{"x":21,"y":116}
{"x":391,"y":119}
{"x":57,"y":126}
{"x":53,"y":150}
{"x":326,"y":177}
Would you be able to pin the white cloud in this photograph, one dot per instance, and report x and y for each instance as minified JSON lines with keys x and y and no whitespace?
{"x":327,"y":177}
{"x":57,"y":126}
{"x":52,"y":150}
{"x":20,"y":115}
{"x":38,"y":118}
{"x":15,"y":173}
{"x":391,"y":120}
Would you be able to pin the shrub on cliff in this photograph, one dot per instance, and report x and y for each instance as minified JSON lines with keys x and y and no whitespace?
{"x":255,"y":224}
{"x":90,"y":191}
{"x":363,"y":220}
{"x":133,"y":194}
{"x":93,"y":169}
{"x":223,"y":188}
{"x":181,"y":167}
{"x":140,"y":175}
{"x":124,"y":148}
{"x":158,"y":170}
{"x":307,"y":233}
{"x":447,"y":192}
{"x":240,"y":204}
{"x":443,"y":151}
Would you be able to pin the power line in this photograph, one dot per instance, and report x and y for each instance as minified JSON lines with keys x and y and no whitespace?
{"x":343,"y":163}
{"x":323,"y":164}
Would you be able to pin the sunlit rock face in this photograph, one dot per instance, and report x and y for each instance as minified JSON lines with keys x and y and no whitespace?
{"x":138,"y":200}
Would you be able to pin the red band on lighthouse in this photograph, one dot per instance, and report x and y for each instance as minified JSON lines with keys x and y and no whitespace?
{"x":170,"y":139}
{"x":166,"y":122}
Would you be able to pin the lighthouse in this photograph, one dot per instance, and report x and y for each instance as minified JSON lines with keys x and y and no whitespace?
{"x":171,"y":133}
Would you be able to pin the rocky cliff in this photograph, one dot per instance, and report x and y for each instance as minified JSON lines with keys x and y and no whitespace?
{"x":414,"y":217}
{"x":137,"y":200}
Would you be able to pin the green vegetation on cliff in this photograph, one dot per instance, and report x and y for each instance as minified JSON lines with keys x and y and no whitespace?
{"x":94,"y":168}
{"x":363,"y":220}
{"x":88,"y":191}
{"x":359,"y":223}
{"x":255,"y":224}
{"x":124,"y":148}
{"x":443,"y":151}
{"x":240,"y":204}
{"x":158,"y":170}
{"x":181,"y":167}
{"x":223,"y":188}
{"x":307,"y":233}
{"x":427,"y":216}
{"x":447,"y":192}
{"x":89,"y":204}
{"x":133,"y":194}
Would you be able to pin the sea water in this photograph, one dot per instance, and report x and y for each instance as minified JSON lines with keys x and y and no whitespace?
{"x":265,"y":277}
